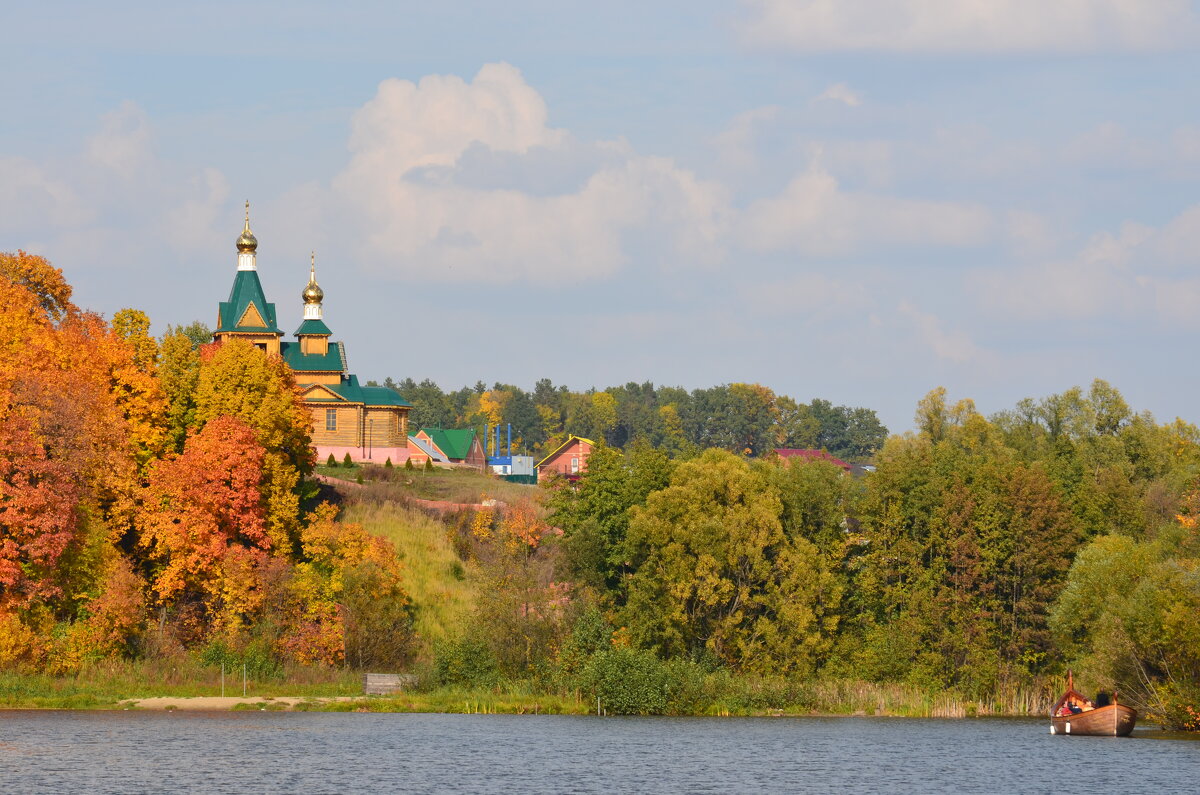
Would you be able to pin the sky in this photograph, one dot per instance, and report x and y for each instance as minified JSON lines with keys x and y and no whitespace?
{"x":856,"y":200}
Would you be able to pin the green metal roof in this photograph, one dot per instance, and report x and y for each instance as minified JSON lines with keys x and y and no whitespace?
{"x":455,"y":443}
{"x":313,"y":327}
{"x":246,"y":290}
{"x":330,"y":361}
{"x":350,"y":391}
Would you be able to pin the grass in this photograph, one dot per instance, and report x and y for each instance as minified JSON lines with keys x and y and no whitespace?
{"x":450,"y":485}
{"x":442,"y":587}
{"x":109,"y":682}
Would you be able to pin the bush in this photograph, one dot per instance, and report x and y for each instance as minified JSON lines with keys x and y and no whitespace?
{"x":346,"y":462}
{"x":257,"y":656}
{"x":332,"y":462}
{"x":359,"y":477}
{"x":408,"y":464}
{"x":428,"y":464}
{"x":627,"y":682}
{"x":467,"y":662}
{"x":388,"y":464}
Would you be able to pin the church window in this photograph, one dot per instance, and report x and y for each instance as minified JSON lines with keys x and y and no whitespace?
{"x":331,"y":419}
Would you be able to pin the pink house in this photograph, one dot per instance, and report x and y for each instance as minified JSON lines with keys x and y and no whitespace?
{"x":789,"y":453}
{"x":569,"y":459}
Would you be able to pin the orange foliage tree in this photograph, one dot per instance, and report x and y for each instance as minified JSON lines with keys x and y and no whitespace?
{"x":203,"y":527}
{"x":348,"y":601}
{"x":239,"y":380}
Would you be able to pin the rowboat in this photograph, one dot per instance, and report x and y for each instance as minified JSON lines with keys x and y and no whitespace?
{"x":1111,"y":720}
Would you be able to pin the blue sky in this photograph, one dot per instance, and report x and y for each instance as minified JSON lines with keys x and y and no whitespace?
{"x":858,"y":200}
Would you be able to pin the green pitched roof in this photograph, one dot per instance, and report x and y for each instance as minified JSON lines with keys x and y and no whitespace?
{"x":453,"y":442}
{"x":313,"y":327}
{"x":350,"y":390}
{"x":246,"y":290}
{"x":330,"y":361}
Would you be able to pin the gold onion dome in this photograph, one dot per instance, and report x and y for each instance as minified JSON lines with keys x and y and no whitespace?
{"x":313,"y":294}
{"x":246,"y":240}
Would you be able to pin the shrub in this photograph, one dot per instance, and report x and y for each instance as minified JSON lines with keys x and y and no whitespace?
{"x":428,"y":464}
{"x":467,"y":662}
{"x":256,"y":655}
{"x":627,"y":681}
{"x":388,"y":464}
{"x":359,"y":477}
{"x":408,"y":464}
{"x":346,"y":462}
{"x":332,"y":462}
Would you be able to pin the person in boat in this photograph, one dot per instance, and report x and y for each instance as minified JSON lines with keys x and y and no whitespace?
{"x":1103,"y":699}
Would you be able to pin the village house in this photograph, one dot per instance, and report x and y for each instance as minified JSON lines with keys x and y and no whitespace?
{"x":789,"y":454}
{"x":368,"y":423}
{"x":569,"y":459}
{"x":447,"y":447}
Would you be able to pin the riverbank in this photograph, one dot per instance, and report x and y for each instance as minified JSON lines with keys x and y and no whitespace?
{"x":333,"y":690}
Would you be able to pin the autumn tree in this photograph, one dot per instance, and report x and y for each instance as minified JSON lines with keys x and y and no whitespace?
{"x":237,"y":379}
{"x":346,"y":600}
{"x":203,"y":527}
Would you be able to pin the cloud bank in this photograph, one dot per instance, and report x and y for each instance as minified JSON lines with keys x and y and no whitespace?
{"x":970,"y":26}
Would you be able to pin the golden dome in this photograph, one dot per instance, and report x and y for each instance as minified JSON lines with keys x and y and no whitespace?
{"x":313,"y":294}
{"x":246,"y":240}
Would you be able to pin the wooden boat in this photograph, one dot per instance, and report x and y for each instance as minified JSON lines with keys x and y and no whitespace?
{"x":1112,"y":720}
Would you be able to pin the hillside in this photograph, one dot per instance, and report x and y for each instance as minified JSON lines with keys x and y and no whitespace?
{"x":444,"y":588}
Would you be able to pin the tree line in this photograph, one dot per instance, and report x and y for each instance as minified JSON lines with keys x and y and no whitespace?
{"x":747,"y":419}
{"x":984,"y":554}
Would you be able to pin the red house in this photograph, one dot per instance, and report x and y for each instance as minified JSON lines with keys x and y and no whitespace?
{"x":790,"y":453}
{"x":569,"y":459}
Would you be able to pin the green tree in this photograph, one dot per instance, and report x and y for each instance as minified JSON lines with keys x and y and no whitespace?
{"x":715,"y":571}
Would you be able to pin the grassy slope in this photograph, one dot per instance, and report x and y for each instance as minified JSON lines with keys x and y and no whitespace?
{"x":442,"y":587}
{"x":451,"y":485}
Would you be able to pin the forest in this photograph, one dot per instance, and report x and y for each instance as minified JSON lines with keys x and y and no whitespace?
{"x":748,"y":419}
{"x":158,"y":503}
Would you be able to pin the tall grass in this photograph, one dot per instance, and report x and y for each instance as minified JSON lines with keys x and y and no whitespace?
{"x":109,"y":682}
{"x":442,"y":587}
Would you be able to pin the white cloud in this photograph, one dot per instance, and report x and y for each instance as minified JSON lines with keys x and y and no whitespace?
{"x":840,"y":92}
{"x":967,"y":26}
{"x":112,"y":202}
{"x":736,"y":145}
{"x":953,"y":346}
{"x":416,"y":190}
{"x":122,"y":144}
{"x":1136,"y":272}
{"x":813,"y":215}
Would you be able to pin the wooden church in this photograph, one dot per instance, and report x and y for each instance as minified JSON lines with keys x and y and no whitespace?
{"x":370,"y":423}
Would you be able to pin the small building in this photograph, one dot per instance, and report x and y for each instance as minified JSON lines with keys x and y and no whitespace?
{"x":569,"y":459}
{"x":789,"y":454}
{"x":512,"y":465}
{"x":447,"y":447}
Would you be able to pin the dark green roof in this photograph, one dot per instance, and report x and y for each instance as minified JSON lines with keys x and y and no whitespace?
{"x":331,"y":361}
{"x":454,"y":443}
{"x":246,"y":290}
{"x":350,"y":390}
{"x":313,"y":327}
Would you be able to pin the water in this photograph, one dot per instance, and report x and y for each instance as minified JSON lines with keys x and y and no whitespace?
{"x":102,"y":752}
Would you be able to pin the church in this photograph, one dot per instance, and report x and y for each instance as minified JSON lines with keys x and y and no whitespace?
{"x":370,"y":423}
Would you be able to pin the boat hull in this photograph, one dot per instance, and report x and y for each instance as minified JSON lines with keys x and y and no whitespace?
{"x":1115,"y":720}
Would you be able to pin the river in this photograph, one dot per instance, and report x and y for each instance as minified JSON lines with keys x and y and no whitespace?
{"x":228,"y":752}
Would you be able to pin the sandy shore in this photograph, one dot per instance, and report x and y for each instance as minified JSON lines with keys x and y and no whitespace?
{"x":217,"y":703}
